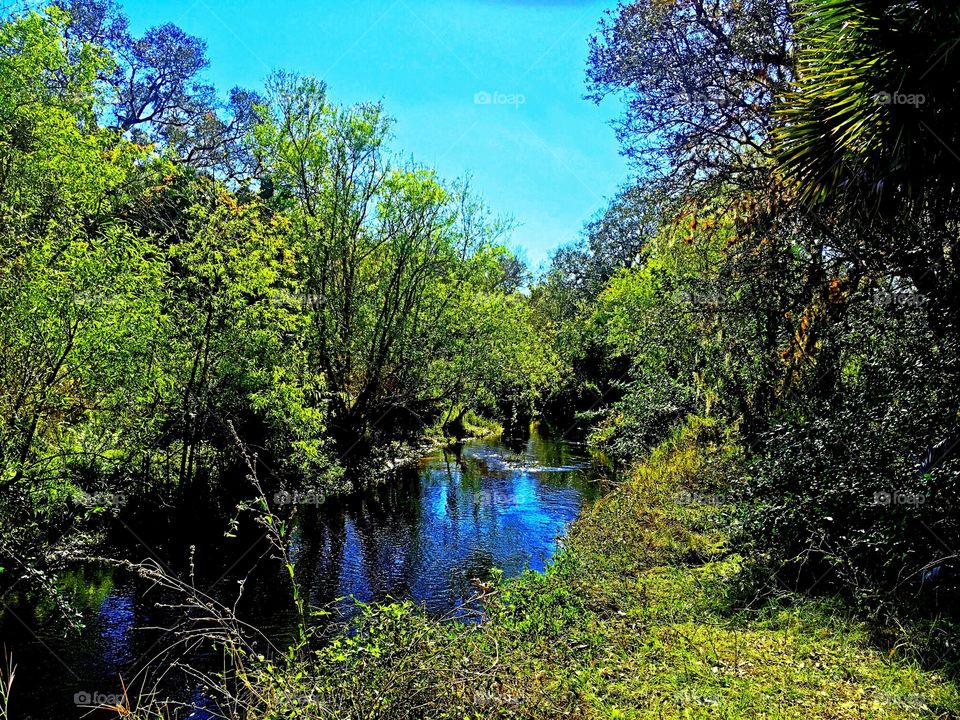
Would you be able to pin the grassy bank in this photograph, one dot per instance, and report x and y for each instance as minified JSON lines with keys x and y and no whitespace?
{"x":461,"y":424}
{"x":637,"y":618}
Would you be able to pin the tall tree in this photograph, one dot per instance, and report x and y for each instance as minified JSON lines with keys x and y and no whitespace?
{"x":158,"y":94}
{"x":700,"y":78}
{"x":377,"y":247}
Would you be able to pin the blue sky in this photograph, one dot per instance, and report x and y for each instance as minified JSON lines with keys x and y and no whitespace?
{"x":489,"y":88}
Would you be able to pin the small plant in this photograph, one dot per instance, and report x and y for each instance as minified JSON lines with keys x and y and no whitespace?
{"x":250,"y":657}
{"x":277,"y":533}
{"x":7,"y":674}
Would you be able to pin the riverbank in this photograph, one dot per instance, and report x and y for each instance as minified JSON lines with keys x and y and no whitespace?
{"x":396,"y":456}
{"x":639,"y":617}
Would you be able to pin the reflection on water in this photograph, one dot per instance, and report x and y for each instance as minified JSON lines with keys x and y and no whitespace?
{"x":425,"y":536}
{"x":428,"y":535}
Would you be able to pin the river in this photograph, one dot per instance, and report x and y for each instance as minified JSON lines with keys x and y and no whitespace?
{"x":426,"y":535}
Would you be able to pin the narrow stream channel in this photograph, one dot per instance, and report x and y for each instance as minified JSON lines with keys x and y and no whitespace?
{"x":426,"y":536}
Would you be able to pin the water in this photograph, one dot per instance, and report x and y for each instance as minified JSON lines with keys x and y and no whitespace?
{"x":427,"y":535}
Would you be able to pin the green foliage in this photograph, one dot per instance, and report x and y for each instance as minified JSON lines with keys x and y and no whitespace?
{"x":329,"y":303}
{"x":80,"y":293}
{"x":868,"y":139}
{"x":874,"y":86}
{"x":407,"y":304}
{"x":793,"y":278}
{"x":841,"y":492}
{"x":188,"y":282}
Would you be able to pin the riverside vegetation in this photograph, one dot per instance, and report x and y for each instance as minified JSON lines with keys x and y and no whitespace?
{"x":761,"y":332}
{"x":642,"y":615}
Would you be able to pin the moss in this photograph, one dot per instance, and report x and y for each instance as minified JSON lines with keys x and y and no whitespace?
{"x":462,"y":424}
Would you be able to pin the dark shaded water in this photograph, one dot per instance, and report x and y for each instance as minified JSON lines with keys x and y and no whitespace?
{"x":425,"y":535}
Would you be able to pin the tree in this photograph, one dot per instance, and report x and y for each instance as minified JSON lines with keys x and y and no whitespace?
{"x":869,"y":139}
{"x":227,"y":326}
{"x":80,"y":292}
{"x":491,"y":355}
{"x":700,"y":79}
{"x":380,"y":252}
{"x":157,"y":92}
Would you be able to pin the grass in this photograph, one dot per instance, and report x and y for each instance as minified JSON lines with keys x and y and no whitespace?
{"x":638,"y":617}
{"x":477,"y":426}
